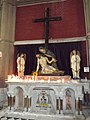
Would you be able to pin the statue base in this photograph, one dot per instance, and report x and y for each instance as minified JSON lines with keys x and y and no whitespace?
{"x":56,"y":73}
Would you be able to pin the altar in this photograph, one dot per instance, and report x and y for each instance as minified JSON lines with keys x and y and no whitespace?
{"x":45,"y":95}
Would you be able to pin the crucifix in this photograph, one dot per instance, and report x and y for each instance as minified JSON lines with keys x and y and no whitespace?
{"x":46,"y":20}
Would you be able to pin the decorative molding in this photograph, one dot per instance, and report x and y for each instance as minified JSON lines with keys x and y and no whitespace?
{"x":21,"y":3}
{"x":58,"y":40}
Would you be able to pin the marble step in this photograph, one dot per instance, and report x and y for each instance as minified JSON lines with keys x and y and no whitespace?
{"x":88,"y":118}
{"x":45,"y":118}
{"x":9,"y":118}
{"x":33,"y":116}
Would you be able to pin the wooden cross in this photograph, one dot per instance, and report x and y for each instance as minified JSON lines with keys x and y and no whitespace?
{"x":46,"y":20}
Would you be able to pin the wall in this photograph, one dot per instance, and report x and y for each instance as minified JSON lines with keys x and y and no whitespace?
{"x":0,"y":22}
{"x":72,"y":24}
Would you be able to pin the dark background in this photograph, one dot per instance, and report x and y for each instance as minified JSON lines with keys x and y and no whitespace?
{"x":62,"y":52}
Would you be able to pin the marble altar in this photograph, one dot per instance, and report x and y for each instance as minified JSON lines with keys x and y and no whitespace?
{"x":45,"y":94}
{"x":45,"y":97}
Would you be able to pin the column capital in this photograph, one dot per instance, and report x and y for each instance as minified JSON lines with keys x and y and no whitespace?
{"x":12,"y":96}
{"x":25,"y":96}
{"x":61,"y":98}
{"x":76,"y":98}
{"x":81,"y":97}
{"x":29,"y":97}
{"x":9,"y":95}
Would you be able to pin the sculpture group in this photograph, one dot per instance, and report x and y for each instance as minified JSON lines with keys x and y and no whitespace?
{"x":47,"y":63}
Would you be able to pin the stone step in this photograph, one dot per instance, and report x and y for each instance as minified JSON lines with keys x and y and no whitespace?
{"x":45,"y":118}
{"x":33,"y":116}
{"x":86,"y":112}
{"x":4,"y":118}
{"x":9,"y":118}
{"x":88,"y":118}
{"x":10,"y":115}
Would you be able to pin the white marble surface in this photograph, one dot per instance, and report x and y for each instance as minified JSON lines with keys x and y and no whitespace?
{"x":59,"y":90}
{"x":3,"y":96}
{"x":36,"y":116}
{"x":53,"y":89}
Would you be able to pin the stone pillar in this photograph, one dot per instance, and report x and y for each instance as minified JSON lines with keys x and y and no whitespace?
{"x":88,"y":39}
{"x":29,"y":102}
{"x":8,"y":8}
{"x":87,"y":97}
{"x":61,"y":105}
{"x":76,"y":105}
{"x":12,"y":102}
{"x":87,"y":21}
{"x":57,"y":105}
{"x":80,"y":106}
{"x":9,"y":101}
{"x":25,"y":102}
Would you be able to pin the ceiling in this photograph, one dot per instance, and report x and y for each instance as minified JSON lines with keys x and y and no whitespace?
{"x":25,"y":2}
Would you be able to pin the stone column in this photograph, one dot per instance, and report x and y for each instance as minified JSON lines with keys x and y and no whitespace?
{"x":8,"y":8}
{"x":12,"y":102}
{"x":80,"y":106}
{"x":61,"y":105}
{"x":76,"y":105}
{"x":57,"y":104}
{"x":29,"y":102}
{"x":88,"y":42}
{"x":26,"y":103}
{"x":9,"y":101}
{"x":87,"y":97}
{"x":87,"y":21}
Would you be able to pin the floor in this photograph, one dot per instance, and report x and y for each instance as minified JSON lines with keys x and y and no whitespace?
{"x":6,"y":114}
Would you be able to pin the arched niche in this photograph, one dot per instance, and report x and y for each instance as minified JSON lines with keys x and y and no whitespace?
{"x":69,"y":101}
{"x":19,"y":99}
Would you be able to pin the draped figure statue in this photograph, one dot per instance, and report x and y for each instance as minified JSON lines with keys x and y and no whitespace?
{"x":21,"y":65}
{"x":75,"y":63}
